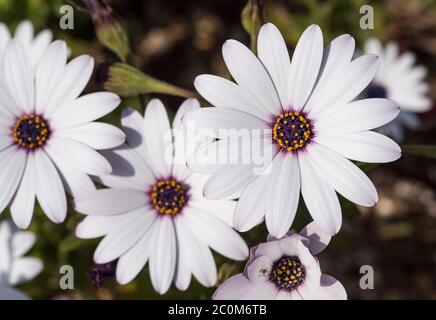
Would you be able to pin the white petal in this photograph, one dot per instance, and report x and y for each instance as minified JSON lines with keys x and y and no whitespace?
{"x":24,"y":32}
{"x":259,"y":270}
{"x":23,"y":204}
{"x":12,"y":294}
{"x":131,"y":263}
{"x":96,"y":135}
{"x":284,"y":295}
{"x":373,"y":45}
{"x":251,"y":205}
{"x":320,"y":199}
{"x":10,"y":109}
{"x":412,"y":101}
{"x":331,"y":289}
{"x":217,"y":122}
{"x":185,"y":263}
{"x":12,"y":162}
{"x":306,"y":62}
{"x":48,"y":74}
{"x":348,"y":82}
{"x":318,"y":239}
{"x":233,"y":288}
{"x":124,"y":236}
{"x":78,"y":156}
{"x":185,"y":107}
{"x":243,"y":149}
{"x":5,"y":36}
{"x":39,"y":45}
{"x":74,"y":79}
{"x":221,"y":209}
{"x":223,"y":93}
{"x":18,"y":72}
{"x":129,"y":170}
{"x":357,"y":116}
{"x":364,"y":146}
{"x":184,"y":142}
{"x":76,"y":182}
{"x":342,"y":175}
{"x":5,"y":141}
{"x":263,"y":291}
{"x":48,"y":188}
{"x":134,"y":126}
{"x":22,"y":242}
{"x":337,"y":54}
{"x":7,"y":118}
{"x":6,"y":254}
{"x":163,"y":257}
{"x":200,"y":258}
{"x":25,"y":269}
{"x":272,"y":51}
{"x":251,"y":75}
{"x":271,"y":249}
{"x":158,"y":138}
{"x":110,"y":201}
{"x":227,"y":181}
{"x":282,"y":194}
{"x":217,"y":235}
{"x":85,"y":109}
{"x":99,"y":226}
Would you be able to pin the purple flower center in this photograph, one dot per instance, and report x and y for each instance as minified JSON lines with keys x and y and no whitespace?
{"x":288,"y":273}
{"x":291,"y":131}
{"x":99,"y":273}
{"x":31,"y":131}
{"x":377,"y":91}
{"x":169,"y":196}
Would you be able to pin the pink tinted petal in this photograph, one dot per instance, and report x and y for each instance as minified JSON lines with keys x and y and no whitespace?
{"x":318,"y":238}
{"x":233,"y":288}
{"x":259,"y":269}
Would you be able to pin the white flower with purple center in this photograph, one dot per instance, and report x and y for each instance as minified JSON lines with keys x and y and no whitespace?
{"x":285,"y":269}
{"x":311,"y":129}
{"x":400,"y":79}
{"x":154,"y":210}
{"x":35,"y":45}
{"x":14,"y":267}
{"x":48,"y":139}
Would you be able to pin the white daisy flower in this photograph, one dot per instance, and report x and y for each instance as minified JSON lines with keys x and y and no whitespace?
{"x":155,"y":211}
{"x":399,"y":79}
{"x":35,"y":45}
{"x":47,"y":137}
{"x":310,"y":126}
{"x":14,"y":267}
{"x":285,"y":269}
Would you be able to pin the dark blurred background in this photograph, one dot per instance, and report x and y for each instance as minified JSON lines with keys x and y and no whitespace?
{"x":174,"y":41}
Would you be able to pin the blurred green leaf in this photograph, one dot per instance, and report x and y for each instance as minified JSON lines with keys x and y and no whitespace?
{"x":428,"y":151}
{"x":128,"y":81}
{"x":109,"y":29}
{"x":367,"y":166}
{"x":69,"y":244}
{"x":252,"y":20}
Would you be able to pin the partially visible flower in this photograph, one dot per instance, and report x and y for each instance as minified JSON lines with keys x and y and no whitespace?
{"x":401,"y":80}
{"x":48,"y":139}
{"x":285,"y":269}
{"x":99,"y":273}
{"x":108,"y":28}
{"x":14,"y":268}
{"x":154,"y":209}
{"x":308,"y":121}
{"x":35,"y":45}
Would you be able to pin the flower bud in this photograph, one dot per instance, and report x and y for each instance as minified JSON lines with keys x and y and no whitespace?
{"x":128,"y":81}
{"x":109,"y":29}
{"x":252,"y":20}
